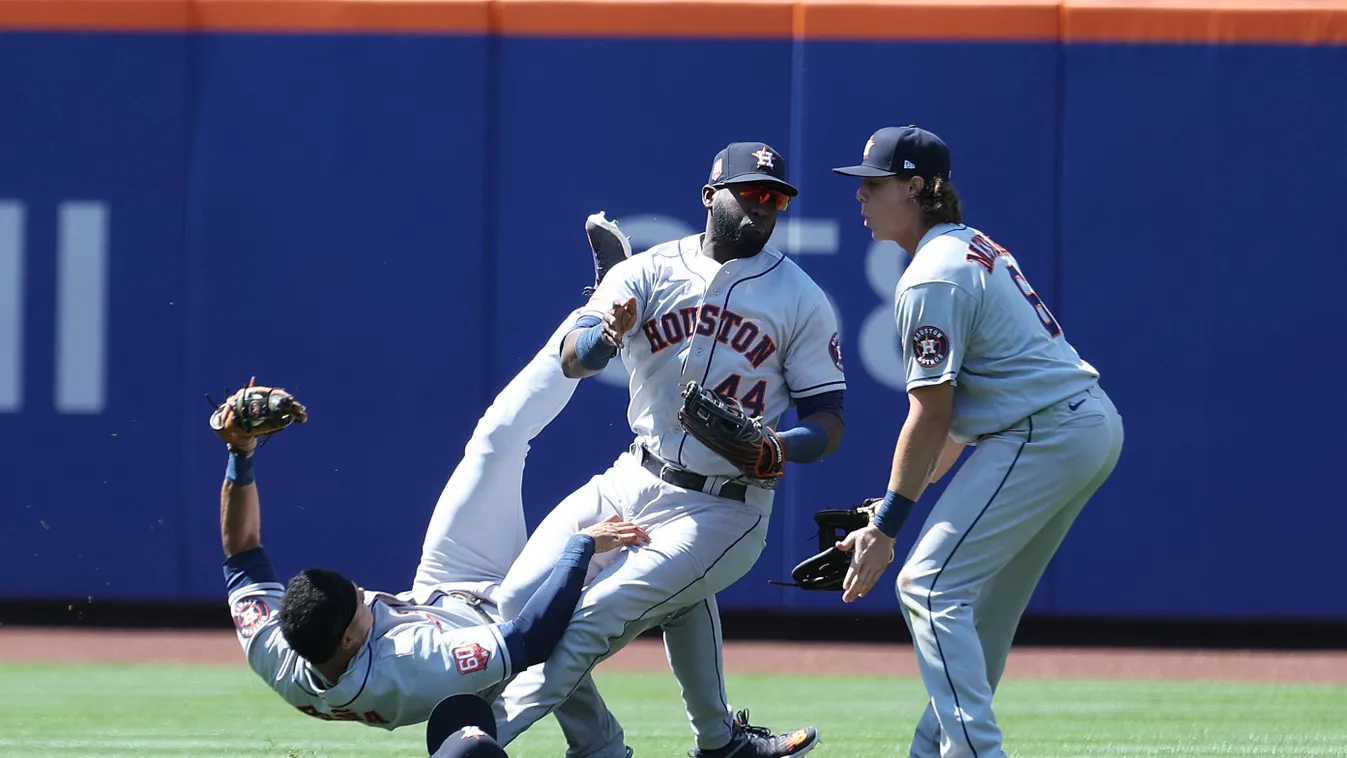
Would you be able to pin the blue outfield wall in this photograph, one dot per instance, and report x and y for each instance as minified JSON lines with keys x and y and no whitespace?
{"x":389,"y":226}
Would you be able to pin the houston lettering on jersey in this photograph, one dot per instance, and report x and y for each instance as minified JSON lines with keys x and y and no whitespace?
{"x":729,"y":328}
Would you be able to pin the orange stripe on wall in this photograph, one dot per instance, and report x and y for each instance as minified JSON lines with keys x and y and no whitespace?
{"x":1300,"y":22}
{"x":1082,"y":21}
{"x":93,"y":15}
{"x":743,"y":19}
{"x":957,"y":20}
{"x":370,"y":16}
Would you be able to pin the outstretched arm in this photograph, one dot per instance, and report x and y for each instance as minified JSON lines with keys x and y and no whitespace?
{"x":240,"y":420}
{"x":240,"y":508}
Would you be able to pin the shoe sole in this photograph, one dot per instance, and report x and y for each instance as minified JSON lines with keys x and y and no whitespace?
{"x":808,"y":746}
{"x":616,"y":246}
{"x":595,"y":223}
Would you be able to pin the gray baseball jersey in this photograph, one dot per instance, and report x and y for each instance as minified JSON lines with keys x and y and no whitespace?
{"x":758,"y":329}
{"x":1047,"y":438}
{"x":967,"y":315}
{"x":416,"y":655}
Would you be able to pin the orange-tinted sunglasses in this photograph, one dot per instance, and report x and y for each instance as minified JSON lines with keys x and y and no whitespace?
{"x":763,"y":195}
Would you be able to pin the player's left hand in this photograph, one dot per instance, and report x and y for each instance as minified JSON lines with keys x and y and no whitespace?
{"x":613,"y":532}
{"x":871,"y":553}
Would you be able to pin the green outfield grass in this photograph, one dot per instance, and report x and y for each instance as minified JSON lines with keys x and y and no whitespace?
{"x":80,"y":710}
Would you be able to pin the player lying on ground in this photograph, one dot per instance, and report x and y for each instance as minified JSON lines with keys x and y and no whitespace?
{"x":745,"y":322}
{"x":339,"y":652}
{"x":386,"y":660}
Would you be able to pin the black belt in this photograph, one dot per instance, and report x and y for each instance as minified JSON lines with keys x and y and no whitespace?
{"x":690,"y":481}
{"x":472,"y":601}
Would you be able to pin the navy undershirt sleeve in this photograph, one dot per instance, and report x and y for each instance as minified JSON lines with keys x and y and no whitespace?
{"x":248,"y":567}
{"x":532,"y":636}
{"x":824,"y":401}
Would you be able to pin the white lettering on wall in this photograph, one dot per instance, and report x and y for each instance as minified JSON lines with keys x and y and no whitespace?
{"x":81,"y":306}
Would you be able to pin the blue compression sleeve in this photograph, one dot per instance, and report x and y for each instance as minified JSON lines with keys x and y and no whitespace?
{"x":533,"y":635}
{"x":804,"y":443}
{"x":807,"y":442}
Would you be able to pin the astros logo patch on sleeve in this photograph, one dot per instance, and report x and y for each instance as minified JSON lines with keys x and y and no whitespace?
{"x":250,"y":614}
{"x":931,"y":346}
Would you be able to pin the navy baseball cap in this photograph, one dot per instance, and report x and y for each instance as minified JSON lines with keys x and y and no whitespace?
{"x":750,"y":163}
{"x":907,"y":150}
{"x":462,"y":726}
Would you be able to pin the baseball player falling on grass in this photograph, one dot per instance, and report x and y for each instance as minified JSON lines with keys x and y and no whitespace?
{"x":987,"y":364}
{"x":728,"y":314}
{"x":338,"y":652}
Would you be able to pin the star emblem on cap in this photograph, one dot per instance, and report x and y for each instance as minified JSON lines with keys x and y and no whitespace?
{"x":472,"y":732}
{"x":765,"y":158}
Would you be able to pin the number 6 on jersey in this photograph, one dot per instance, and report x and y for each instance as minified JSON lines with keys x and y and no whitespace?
{"x":981,"y":249}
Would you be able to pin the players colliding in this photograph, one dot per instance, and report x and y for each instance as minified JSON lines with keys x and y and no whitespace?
{"x":338,"y":652}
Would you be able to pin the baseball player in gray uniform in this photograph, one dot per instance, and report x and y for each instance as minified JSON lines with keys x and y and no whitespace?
{"x":726,"y":311}
{"x":987,"y":364}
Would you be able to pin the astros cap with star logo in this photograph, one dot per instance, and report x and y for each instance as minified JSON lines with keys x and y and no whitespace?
{"x":462,"y":726}
{"x":750,"y":163}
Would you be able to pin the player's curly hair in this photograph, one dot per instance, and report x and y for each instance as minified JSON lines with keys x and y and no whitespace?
{"x":315,"y":611}
{"x":939,"y":202}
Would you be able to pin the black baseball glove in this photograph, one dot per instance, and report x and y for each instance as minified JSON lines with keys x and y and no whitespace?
{"x":827,"y":569}
{"x":722,"y":425}
{"x":255,"y":412}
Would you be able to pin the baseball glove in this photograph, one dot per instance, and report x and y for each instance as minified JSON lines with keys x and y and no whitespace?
{"x":826,"y":569}
{"x":722,"y":425}
{"x":255,"y":412}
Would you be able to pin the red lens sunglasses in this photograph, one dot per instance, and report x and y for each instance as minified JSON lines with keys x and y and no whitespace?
{"x":763,"y":196}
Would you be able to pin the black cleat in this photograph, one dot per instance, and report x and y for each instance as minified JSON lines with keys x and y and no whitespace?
{"x":610,"y":247}
{"x":758,"y":742}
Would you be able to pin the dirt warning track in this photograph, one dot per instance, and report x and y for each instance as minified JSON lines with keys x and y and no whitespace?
{"x":221,"y":648}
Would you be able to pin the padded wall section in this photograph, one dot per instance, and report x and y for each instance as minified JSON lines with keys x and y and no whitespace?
{"x":343,"y":197}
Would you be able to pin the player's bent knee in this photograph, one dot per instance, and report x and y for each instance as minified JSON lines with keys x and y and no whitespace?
{"x":914,"y":587}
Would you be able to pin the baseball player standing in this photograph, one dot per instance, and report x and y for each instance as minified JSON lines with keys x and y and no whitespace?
{"x":986,"y":364}
{"x":726,"y":311}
